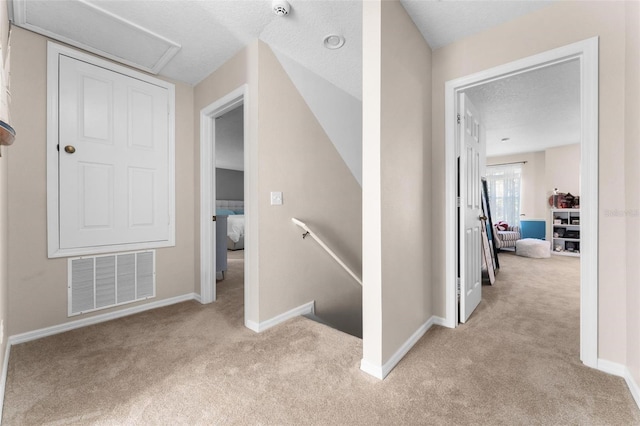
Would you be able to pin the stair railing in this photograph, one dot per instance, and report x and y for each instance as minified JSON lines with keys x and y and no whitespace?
{"x":310,"y":233}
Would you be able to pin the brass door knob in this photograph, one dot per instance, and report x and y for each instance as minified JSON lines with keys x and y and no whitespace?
{"x":69,"y":149}
{"x":482,"y":217}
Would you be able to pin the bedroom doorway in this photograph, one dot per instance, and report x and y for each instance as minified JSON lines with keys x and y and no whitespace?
{"x":586,"y":52}
{"x":228,"y":192}
{"x":226,"y":182}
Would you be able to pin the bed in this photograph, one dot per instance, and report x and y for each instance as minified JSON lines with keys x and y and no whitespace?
{"x":234,"y":210}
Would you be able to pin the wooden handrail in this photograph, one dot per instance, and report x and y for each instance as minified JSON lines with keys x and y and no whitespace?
{"x":325,"y":247}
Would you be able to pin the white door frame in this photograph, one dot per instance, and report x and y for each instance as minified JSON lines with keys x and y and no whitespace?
{"x":207,"y":196}
{"x":587,"y":53}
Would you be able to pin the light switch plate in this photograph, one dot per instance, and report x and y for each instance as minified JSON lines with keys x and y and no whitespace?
{"x":276,"y":198}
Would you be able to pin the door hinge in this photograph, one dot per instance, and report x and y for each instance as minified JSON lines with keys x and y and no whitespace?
{"x":58,"y":147}
{"x":214,"y":218}
{"x":458,"y":118}
{"x":459,"y":202}
{"x":458,"y":286}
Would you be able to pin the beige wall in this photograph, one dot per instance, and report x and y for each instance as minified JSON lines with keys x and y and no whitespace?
{"x":632,"y":160}
{"x":38,"y":285}
{"x":545,"y":29}
{"x":297,"y":158}
{"x":294,"y":156}
{"x":562,"y":169}
{"x":404,"y":207}
{"x":4,"y":189}
{"x":533,"y":204}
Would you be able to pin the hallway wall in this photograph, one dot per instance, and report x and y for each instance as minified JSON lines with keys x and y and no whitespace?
{"x":397,"y":181}
{"x":37,"y":284}
{"x":632,"y":159}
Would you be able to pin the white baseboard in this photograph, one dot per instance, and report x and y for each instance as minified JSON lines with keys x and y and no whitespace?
{"x":72,"y":325}
{"x":380,"y":372}
{"x":611,"y":367}
{"x":442,"y":322}
{"x":197,"y":297}
{"x":3,"y":378}
{"x":633,"y":387}
{"x":307,"y":308}
{"x":372,"y":369}
{"x":622,"y":371}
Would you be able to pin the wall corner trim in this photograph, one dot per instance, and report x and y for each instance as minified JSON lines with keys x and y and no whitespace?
{"x":621,"y":370}
{"x":3,"y":378}
{"x":380,"y":372}
{"x":307,"y":308}
{"x":371,"y":369}
{"x":72,"y":325}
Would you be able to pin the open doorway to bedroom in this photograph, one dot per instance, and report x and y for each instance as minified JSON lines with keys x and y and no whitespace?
{"x":570,"y":164}
{"x":240,"y":255}
{"x":533,"y":136}
{"x":229,"y":203}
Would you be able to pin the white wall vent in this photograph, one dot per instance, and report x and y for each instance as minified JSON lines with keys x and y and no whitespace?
{"x":98,"y":282}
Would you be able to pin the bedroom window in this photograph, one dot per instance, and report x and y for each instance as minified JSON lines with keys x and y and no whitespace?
{"x":504,"y":183}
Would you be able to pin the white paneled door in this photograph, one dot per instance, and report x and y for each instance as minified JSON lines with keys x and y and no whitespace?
{"x":471,"y":162}
{"x":113,"y":157}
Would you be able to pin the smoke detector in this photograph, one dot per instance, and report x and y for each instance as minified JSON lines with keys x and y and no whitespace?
{"x":281,"y":7}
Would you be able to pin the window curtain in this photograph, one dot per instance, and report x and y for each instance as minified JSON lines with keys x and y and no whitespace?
{"x":504,"y":192}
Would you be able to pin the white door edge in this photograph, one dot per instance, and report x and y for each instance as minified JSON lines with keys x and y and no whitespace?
{"x":208,"y":115}
{"x":587,"y":52}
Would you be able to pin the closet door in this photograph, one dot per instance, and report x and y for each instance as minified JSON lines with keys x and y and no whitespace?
{"x":113,"y":158}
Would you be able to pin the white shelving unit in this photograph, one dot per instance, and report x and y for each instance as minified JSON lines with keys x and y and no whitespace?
{"x":565,"y":232}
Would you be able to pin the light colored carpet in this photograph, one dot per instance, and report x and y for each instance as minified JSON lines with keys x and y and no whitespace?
{"x":515,"y":362}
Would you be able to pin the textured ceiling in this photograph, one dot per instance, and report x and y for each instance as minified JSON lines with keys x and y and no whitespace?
{"x":536,"y":110}
{"x":443,"y":22}
{"x":188,"y":39}
{"x":210,"y":32}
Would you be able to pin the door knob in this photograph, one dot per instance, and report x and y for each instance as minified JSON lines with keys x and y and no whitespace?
{"x":482,"y":217}
{"x":69,"y":149}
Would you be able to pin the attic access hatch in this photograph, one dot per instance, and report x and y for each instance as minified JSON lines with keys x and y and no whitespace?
{"x":91,"y":28}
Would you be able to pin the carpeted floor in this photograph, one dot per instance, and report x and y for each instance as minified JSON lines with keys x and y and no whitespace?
{"x":515,"y":362}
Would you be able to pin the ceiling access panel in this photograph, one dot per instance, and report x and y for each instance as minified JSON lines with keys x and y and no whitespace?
{"x":91,"y":28}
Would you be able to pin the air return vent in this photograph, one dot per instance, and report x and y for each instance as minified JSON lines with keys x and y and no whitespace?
{"x":98,"y":282}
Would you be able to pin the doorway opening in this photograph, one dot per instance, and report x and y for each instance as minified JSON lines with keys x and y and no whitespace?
{"x":586,"y":53}
{"x":228,"y":193}
{"x":227,"y":182}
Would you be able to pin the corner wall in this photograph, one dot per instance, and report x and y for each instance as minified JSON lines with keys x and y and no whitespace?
{"x":632,"y":159}
{"x":295,"y":156}
{"x":554,"y":26}
{"x":38,"y":285}
{"x":4,"y":218}
{"x":562,"y":169}
{"x":397,"y":182}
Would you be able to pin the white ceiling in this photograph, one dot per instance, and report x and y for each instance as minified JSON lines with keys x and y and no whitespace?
{"x":210,"y":32}
{"x":186,"y":40}
{"x":443,"y":22}
{"x":536,"y":110}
